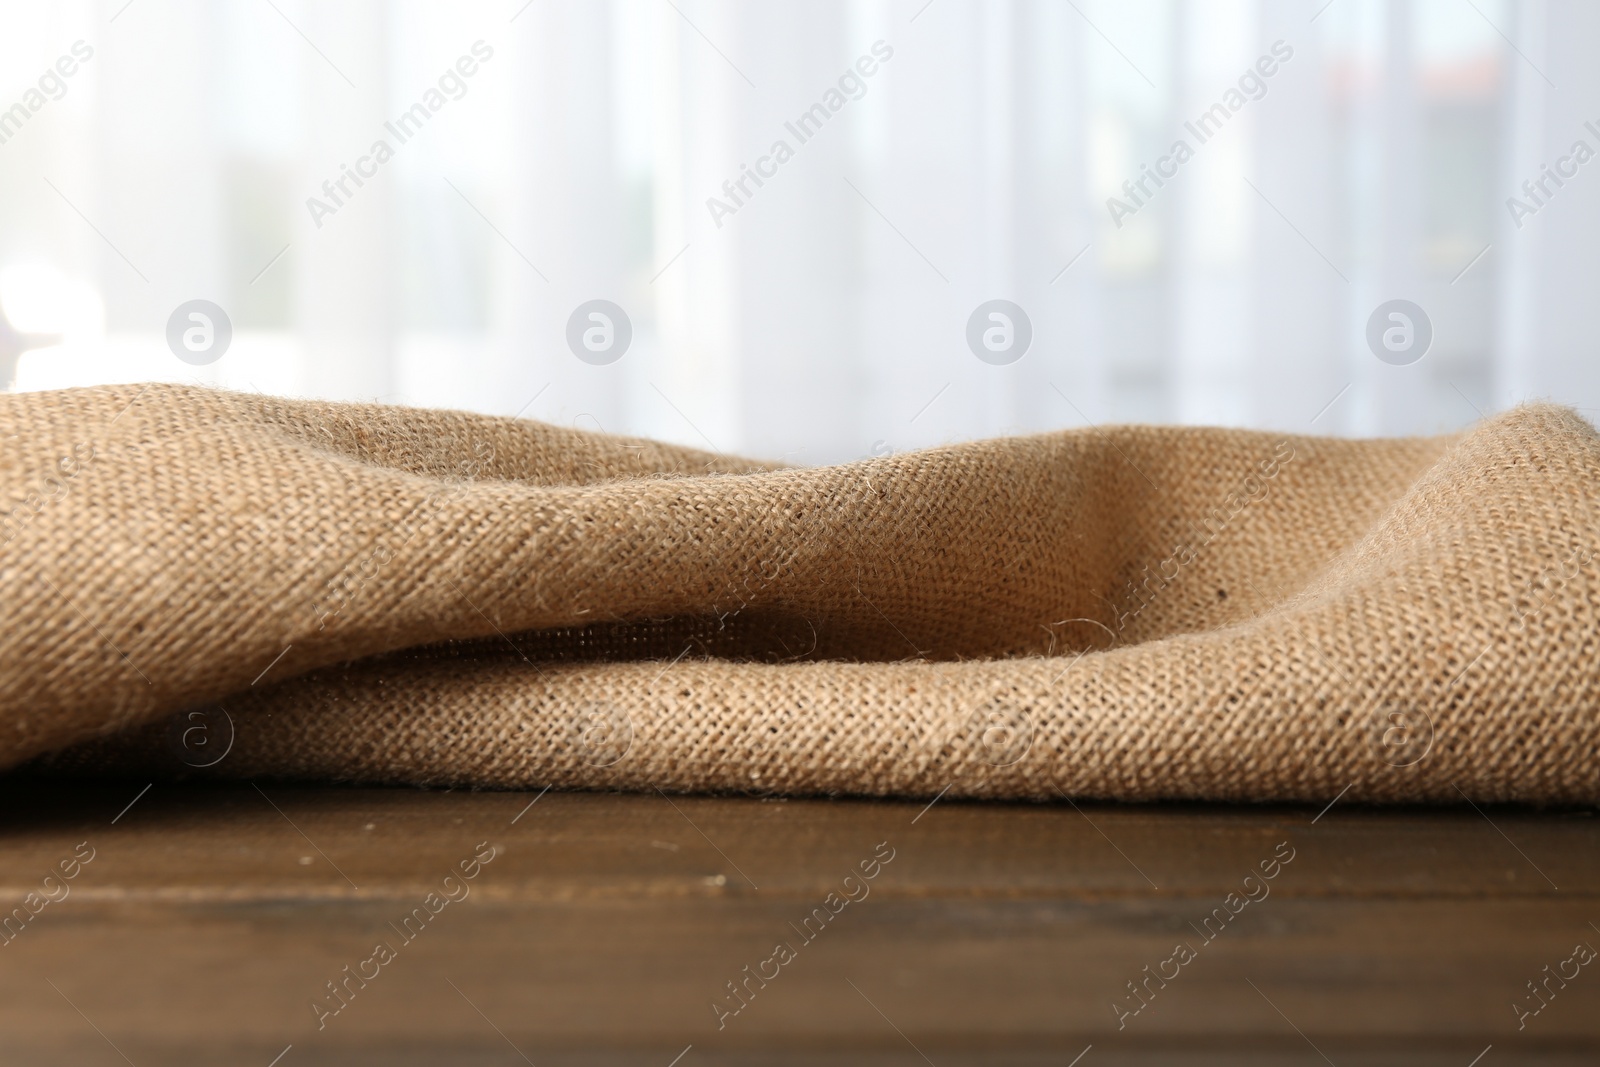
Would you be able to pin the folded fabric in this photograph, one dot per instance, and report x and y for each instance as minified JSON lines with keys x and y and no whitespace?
{"x":200,"y":582}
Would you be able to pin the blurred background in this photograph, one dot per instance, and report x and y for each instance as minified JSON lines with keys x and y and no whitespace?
{"x":821,"y":315}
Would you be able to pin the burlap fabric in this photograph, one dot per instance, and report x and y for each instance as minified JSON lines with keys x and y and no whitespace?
{"x":287,"y":588}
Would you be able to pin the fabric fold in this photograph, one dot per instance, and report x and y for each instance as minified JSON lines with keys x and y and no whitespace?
{"x":369,"y":593}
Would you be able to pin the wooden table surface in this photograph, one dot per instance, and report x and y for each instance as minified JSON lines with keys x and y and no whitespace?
{"x":605,"y":928}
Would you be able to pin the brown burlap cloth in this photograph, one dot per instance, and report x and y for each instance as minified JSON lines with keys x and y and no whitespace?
{"x":260,"y":586}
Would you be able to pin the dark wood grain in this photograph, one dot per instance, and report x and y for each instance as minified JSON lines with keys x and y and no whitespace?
{"x":606,"y":927}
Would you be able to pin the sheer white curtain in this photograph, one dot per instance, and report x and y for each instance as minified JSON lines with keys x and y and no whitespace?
{"x":821,"y":314}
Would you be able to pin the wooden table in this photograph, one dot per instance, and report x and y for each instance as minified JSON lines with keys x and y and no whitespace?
{"x":605,"y":929}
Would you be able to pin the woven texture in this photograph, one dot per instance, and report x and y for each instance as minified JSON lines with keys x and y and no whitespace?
{"x":274,"y":587}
